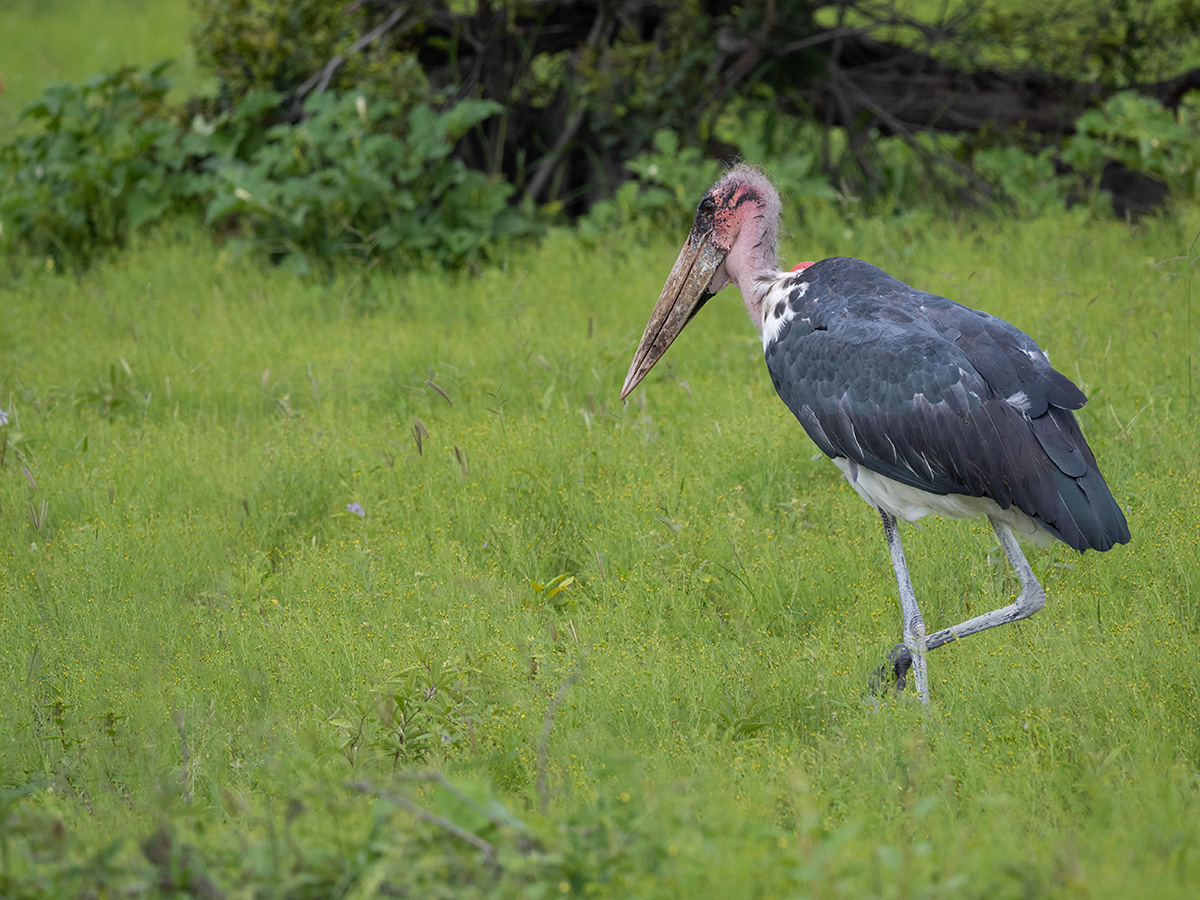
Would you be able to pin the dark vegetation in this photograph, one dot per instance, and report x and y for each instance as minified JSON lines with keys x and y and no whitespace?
{"x":420,"y":133}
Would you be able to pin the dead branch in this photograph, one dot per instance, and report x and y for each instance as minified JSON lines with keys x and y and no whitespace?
{"x":320,"y":80}
{"x":547,"y":164}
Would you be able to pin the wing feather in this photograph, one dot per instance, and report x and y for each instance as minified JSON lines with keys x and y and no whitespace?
{"x":940,"y":397}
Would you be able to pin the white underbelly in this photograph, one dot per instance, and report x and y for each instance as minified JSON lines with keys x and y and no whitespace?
{"x":909,"y":503}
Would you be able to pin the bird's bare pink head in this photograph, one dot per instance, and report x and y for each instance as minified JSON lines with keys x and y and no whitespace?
{"x":733,"y":240}
{"x":746,"y":225}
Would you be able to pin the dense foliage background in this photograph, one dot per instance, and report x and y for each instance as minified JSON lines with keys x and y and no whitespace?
{"x":411,"y":133}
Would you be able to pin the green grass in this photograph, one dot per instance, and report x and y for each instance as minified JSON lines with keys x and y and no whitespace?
{"x":198,"y":608}
{"x":71,"y":40}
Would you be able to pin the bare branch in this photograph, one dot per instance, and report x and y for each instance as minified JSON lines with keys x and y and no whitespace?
{"x":547,"y":164}
{"x":905,"y":134}
{"x":320,"y":81}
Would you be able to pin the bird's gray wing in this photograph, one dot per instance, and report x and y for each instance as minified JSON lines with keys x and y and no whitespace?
{"x":908,"y":406}
{"x":906,"y":400}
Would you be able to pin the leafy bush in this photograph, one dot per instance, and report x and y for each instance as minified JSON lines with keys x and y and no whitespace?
{"x":342,"y":183}
{"x":663,"y":191}
{"x":106,"y":159}
{"x":1142,"y":135}
{"x":1132,"y":130}
{"x":1027,"y":180}
{"x":353,"y":179}
{"x":381,"y":178}
{"x":667,"y":183}
{"x":584,"y":86}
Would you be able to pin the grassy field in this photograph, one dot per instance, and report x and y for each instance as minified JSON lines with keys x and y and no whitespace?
{"x":199,"y":628}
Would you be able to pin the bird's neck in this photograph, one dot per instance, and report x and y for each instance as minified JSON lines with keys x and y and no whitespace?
{"x":752,"y":261}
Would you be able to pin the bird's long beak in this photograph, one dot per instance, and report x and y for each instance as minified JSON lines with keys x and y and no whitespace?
{"x":682,"y":296}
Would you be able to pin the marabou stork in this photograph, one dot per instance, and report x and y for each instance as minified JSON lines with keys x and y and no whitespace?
{"x":926,"y":405}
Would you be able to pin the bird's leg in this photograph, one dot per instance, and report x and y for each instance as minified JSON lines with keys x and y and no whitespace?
{"x":1031,"y":600}
{"x":914,"y":624}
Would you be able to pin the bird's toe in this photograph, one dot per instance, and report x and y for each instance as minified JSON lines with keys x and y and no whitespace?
{"x":893,"y":671}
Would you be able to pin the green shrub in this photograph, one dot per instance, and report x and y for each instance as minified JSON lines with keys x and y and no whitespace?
{"x":107,"y":158}
{"x":667,"y":183}
{"x":1026,"y":180}
{"x":665,"y":187}
{"x":1142,"y":135}
{"x":1130,"y":129}
{"x":354,"y":180}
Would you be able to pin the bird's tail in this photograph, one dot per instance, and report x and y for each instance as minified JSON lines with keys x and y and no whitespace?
{"x":1089,"y":517}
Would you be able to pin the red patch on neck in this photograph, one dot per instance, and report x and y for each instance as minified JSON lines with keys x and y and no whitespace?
{"x":800,"y":267}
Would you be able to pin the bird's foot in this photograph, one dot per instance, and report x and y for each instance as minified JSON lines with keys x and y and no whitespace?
{"x":892,"y":672}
